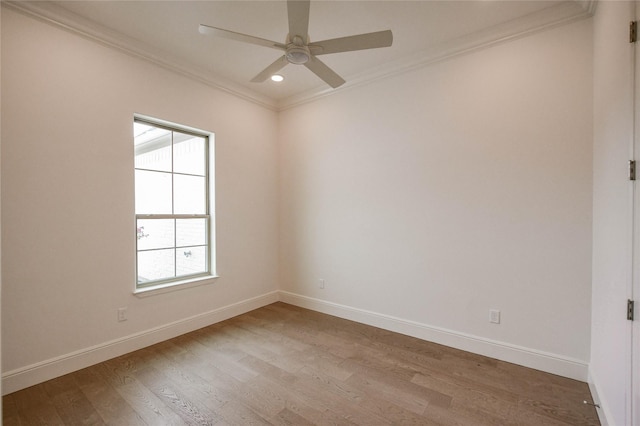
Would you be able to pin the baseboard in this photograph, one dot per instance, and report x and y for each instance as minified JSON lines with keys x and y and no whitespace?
{"x":30,"y":375}
{"x":603,"y":411}
{"x":539,"y":360}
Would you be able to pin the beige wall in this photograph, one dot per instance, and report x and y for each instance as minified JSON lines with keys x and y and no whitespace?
{"x":67,"y":193}
{"x":428,"y":198}
{"x":437,"y":195}
{"x":0,"y":208}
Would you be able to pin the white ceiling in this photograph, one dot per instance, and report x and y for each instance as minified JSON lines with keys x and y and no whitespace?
{"x":424,"y":31}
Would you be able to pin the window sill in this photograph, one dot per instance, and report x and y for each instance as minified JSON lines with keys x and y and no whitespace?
{"x":174,"y":286}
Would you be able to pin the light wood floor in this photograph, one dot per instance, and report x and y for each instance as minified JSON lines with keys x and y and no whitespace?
{"x":285,"y":365}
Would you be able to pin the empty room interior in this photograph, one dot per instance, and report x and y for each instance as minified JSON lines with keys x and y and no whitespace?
{"x":432,"y":180}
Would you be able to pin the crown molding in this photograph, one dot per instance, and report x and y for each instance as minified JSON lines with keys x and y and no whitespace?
{"x":550,"y":17}
{"x":545,"y":19}
{"x":69,"y":21}
{"x":589,"y":6}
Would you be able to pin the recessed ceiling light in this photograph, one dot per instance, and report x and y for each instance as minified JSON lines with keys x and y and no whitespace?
{"x":277,"y":78}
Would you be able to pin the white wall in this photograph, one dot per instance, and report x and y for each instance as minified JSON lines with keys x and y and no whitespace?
{"x":439,"y":194}
{"x":0,"y":211}
{"x":67,"y":194}
{"x":430,"y":197}
{"x":613,"y":127}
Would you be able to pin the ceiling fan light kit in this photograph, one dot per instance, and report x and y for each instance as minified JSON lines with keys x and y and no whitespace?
{"x":298,"y":50}
{"x":298,"y":55}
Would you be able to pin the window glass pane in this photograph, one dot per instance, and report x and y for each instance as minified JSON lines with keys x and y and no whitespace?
{"x":153,"y":192}
{"x":189,"y":154}
{"x":191,"y":232}
{"x":171,"y":179}
{"x":189,"y":194}
{"x":191,"y":260}
{"x":155,"y":233}
{"x":156,"y":265}
{"x":152,"y":147}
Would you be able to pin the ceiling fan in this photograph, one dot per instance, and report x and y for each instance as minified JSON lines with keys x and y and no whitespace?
{"x":299,"y":50}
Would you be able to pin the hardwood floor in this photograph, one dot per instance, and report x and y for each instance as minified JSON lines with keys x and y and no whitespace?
{"x":289,"y":366}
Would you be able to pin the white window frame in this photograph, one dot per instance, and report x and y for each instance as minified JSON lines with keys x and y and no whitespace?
{"x":162,"y":286}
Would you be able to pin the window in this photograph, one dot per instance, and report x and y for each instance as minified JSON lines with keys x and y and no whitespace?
{"x":173,"y":218}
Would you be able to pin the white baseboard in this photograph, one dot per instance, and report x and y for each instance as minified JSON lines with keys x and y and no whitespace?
{"x":544,"y":361}
{"x":603,"y":412}
{"x":30,"y":375}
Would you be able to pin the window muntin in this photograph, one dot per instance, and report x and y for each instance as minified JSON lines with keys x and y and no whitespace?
{"x":173,"y":221}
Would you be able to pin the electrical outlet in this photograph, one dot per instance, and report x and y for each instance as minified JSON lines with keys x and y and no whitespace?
{"x":321,"y":283}
{"x":122,"y":314}
{"x":494,"y":316}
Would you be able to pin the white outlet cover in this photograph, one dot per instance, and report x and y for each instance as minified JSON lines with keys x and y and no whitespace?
{"x":122,"y":314}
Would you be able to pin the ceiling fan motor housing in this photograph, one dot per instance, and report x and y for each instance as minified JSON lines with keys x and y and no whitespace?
{"x":297,"y":54}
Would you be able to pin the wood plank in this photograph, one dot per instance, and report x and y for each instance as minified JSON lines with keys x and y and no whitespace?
{"x":286,"y":365}
{"x":35,"y":407}
{"x":120,"y":374}
{"x":111,"y":407}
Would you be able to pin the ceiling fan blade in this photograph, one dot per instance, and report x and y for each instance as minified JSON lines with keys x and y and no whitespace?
{"x":351,"y":43}
{"x":324,"y":72}
{"x":270,"y":70}
{"x":219,"y":32}
{"x":298,"y":12}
